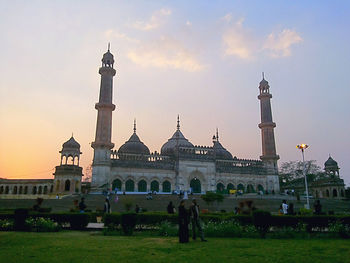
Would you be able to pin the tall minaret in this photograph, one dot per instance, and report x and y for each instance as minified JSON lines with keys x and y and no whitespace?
{"x":269,"y":156}
{"x":102,"y":144}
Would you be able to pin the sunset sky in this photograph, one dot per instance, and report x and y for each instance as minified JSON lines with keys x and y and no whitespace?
{"x":200,"y":59}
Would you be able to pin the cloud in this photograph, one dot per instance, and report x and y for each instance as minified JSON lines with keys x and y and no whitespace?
{"x":237,"y":40}
{"x":227,"y":17}
{"x":154,"y":22}
{"x":280,"y":45}
{"x":165,"y":53}
{"x":112,"y":34}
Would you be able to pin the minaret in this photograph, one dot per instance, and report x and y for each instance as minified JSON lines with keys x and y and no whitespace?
{"x":269,"y":156}
{"x":102,"y":144}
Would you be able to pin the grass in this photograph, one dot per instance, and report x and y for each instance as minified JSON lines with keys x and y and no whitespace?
{"x":75,"y":246}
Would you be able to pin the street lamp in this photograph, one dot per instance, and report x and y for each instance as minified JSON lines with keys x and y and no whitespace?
{"x":303,"y":147}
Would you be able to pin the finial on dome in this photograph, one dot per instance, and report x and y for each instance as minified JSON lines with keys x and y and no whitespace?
{"x":135,"y":125}
{"x":109,"y":46}
{"x":217,"y":134}
{"x":72,"y":134}
{"x":178,"y":122}
{"x":263,"y":75}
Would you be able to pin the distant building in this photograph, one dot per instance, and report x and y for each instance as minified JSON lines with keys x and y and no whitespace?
{"x":67,"y":177}
{"x":329,"y":186}
{"x":179,"y":165}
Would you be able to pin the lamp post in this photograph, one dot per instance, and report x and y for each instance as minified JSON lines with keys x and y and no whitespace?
{"x":303,"y":147}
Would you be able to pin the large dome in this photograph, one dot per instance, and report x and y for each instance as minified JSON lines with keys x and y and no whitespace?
{"x":220,"y":152}
{"x":177,"y":140}
{"x":134,"y":145}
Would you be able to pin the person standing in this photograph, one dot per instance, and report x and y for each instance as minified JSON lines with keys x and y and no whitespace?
{"x":284,"y":207}
{"x":171,"y":208}
{"x":82,"y":205}
{"x":183,"y":223}
{"x":196,"y":221}
{"x":107,"y":207}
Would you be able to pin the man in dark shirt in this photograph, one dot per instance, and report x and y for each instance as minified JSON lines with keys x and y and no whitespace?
{"x":196,"y":221}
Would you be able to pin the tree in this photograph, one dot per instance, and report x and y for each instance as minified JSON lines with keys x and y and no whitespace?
{"x":293,"y":170}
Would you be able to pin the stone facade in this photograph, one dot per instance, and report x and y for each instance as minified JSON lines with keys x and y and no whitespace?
{"x":180,"y":165}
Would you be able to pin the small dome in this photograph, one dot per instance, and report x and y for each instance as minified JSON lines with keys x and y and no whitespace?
{"x":330,"y":162}
{"x":178,"y":139}
{"x":71,"y":143}
{"x":107,"y":56}
{"x":221,"y":152}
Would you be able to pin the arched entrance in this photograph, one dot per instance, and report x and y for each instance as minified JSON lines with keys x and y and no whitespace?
{"x":166,"y":187}
{"x":335,"y":193}
{"x":129,"y":186}
{"x":220,"y":188}
{"x":230,"y":187}
{"x":195,"y":184}
{"x":142,"y":186}
{"x":327,"y":193}
{"x":154,"y":186}
{"x":250,"y":188}
{"x":240,"y":187}
{"x":117,"y":185}
{"x":67,"y":185}
{"x":260,"y":188}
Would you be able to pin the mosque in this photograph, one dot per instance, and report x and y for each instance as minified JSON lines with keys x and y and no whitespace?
{"x":179,"y":166}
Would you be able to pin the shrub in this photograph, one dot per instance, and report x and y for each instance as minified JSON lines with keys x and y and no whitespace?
{"x":223,"y":229}
{"x":262,"y":222}
{"x":339,"y":229}
{"x":20,"y":217}
{"x":6,"y":225}
{"x":40,"y":224}
{"x":167,"y":229}
{"x":78,"y":221}
{"x":128,"y":222}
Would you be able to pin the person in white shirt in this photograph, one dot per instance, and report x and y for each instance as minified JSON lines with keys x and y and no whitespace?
{"x":284,"y":207}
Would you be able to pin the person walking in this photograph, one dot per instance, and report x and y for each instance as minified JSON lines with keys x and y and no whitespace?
{"x":107,"y":207}
{"x":183,"y":223}
{"x":196,"y":221}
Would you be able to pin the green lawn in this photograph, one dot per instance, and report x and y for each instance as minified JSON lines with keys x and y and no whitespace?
{"x":84,"y":247}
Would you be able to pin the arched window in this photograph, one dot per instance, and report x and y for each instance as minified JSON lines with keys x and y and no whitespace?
{"x":25,"y":190}
{"x":250,"y":188}
{"x":15,"y":190}
{"x":129,"y":186}
{"x":195,"y":184}
{"x":40,"y":190}
{"x":335,"y":193}
{"x":45,"y":190}
{"x":76,"y":187}
{"x":7,"y":189}
{"x":117,"y":185}
{"x":1,"y":189}
{"x":230,"y":187}
{"x":260,"y":188}
{"x":70,"y":160}
{"x":240,"y":187}
{"x":166,"y":187}
{"x":327,"y":193}
{"x":154,"y":186}
{"x":220,"y":187}
{"x":34,"y":190}
{"x":51,"y":189}
{"x":142,"y":186}
{"x":67,"y":185}
{"x":20,"y":190}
